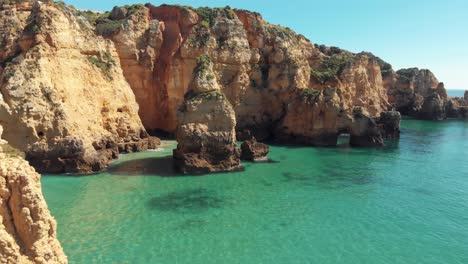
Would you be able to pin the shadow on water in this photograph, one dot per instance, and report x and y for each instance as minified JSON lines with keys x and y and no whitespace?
{"x":162,"y":167}
{"x":191,"y":224}
{"x":187,"y":201}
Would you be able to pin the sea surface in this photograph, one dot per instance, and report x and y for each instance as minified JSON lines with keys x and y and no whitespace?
{"x":455,"y":93}
{"x":405,"y":203}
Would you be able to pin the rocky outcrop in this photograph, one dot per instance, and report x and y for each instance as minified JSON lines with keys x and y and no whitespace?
{"x":418,"y":93}
{"x":364,"y":131}
{"x":64,"y":99}
{"x":457,"y":107}
{"x":251,"y":150}
{"x":206,"y":130}
{"x":259,"y":66}
{"x":27,"y":230}
{"x":389,"y":123}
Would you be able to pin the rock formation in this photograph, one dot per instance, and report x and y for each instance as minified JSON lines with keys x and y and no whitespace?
{"x":418,"y":93}
{"x":206,"y":130}
{"x":27,"y":230}
{"x":64,"y":99}
{"x":457,"y":107}
{"x":260,"y":67}
{"x":251,"y":150}
{"x":389,"y":123}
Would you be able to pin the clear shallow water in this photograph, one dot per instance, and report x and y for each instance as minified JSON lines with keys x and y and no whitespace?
{"x":406,"y":203}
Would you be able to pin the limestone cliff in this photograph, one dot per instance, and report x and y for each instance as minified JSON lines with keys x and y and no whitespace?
{"x":418,"y":93}
{"x":64,"y":99}
{"x":27,"y":230}
{"x":257,"y":64}
{"x":206,"y":134}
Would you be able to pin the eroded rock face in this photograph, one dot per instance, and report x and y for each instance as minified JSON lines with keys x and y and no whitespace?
{"x":418,"y":93}
{"x":206,"y":134}
{"x":457,"y":107}
{"x":256,"y":64}
{"x":27,"y":230}
{"x":65,"y":101}
{"x":251,"y":150}
{"x":390,"y":124}
{"x":364,"y":131}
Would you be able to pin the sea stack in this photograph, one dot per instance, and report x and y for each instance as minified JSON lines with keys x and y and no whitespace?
{"x":206,"y":126}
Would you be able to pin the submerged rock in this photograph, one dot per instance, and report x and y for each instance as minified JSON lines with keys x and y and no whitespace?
{"x":251,"y":150}
{"x":206,"y":131}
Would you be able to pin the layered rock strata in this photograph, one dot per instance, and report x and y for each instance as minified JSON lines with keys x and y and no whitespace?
{"x":259,"y":66}
{"x":64,"y":99}
{"x":206,"y":129}
{"x":27,"y":230}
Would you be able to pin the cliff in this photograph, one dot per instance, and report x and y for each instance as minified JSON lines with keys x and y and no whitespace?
{"x":260,"y":67}
{"x":64,"y":99}
{"x":27,"y":230}
{"x":80,"y":87}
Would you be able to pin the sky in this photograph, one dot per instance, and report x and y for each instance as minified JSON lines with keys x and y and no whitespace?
{"x":430,"y":34}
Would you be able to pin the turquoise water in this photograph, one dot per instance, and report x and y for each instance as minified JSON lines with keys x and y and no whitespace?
{"x":406,"y":203}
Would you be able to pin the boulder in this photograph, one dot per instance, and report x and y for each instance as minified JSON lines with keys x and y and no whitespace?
{"x":251,"y":150}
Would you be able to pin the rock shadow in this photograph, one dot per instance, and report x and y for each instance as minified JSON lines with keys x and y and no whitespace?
{"x":163,"y":167}
{"x":187,"y":201}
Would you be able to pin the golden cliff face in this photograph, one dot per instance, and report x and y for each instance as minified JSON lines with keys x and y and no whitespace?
{"x":27,"y":230}
{"x":64,"y":100}
{"x":206,"y":133}
{"x":255,"y":63}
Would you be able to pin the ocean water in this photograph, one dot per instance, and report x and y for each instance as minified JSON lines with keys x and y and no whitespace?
{"x":405,"y":203}
{"x":455,"y":93}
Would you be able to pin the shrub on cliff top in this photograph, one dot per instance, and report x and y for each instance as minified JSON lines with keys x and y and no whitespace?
{"x":331,"y":67}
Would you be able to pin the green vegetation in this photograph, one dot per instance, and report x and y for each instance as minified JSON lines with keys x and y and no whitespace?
{"x":104,"y":62}
{"x":280,"y":31}
{"x":199,"y":37}
{"x":310,"y":94}
{"x":208,"y":15}
{"x":331,"y":67}
{"x":107,"y":27}
{"x":203,"y":63}
{"x":213,"y":95}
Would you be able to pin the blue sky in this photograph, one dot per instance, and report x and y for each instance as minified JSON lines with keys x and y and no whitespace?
{"x":429,"y":34}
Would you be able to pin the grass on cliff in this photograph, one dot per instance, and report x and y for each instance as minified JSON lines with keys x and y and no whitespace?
{"x":105,"y":62}
{"x":310,"y":94}
{"x":212,"y":95}
{"x":331,"y":67}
